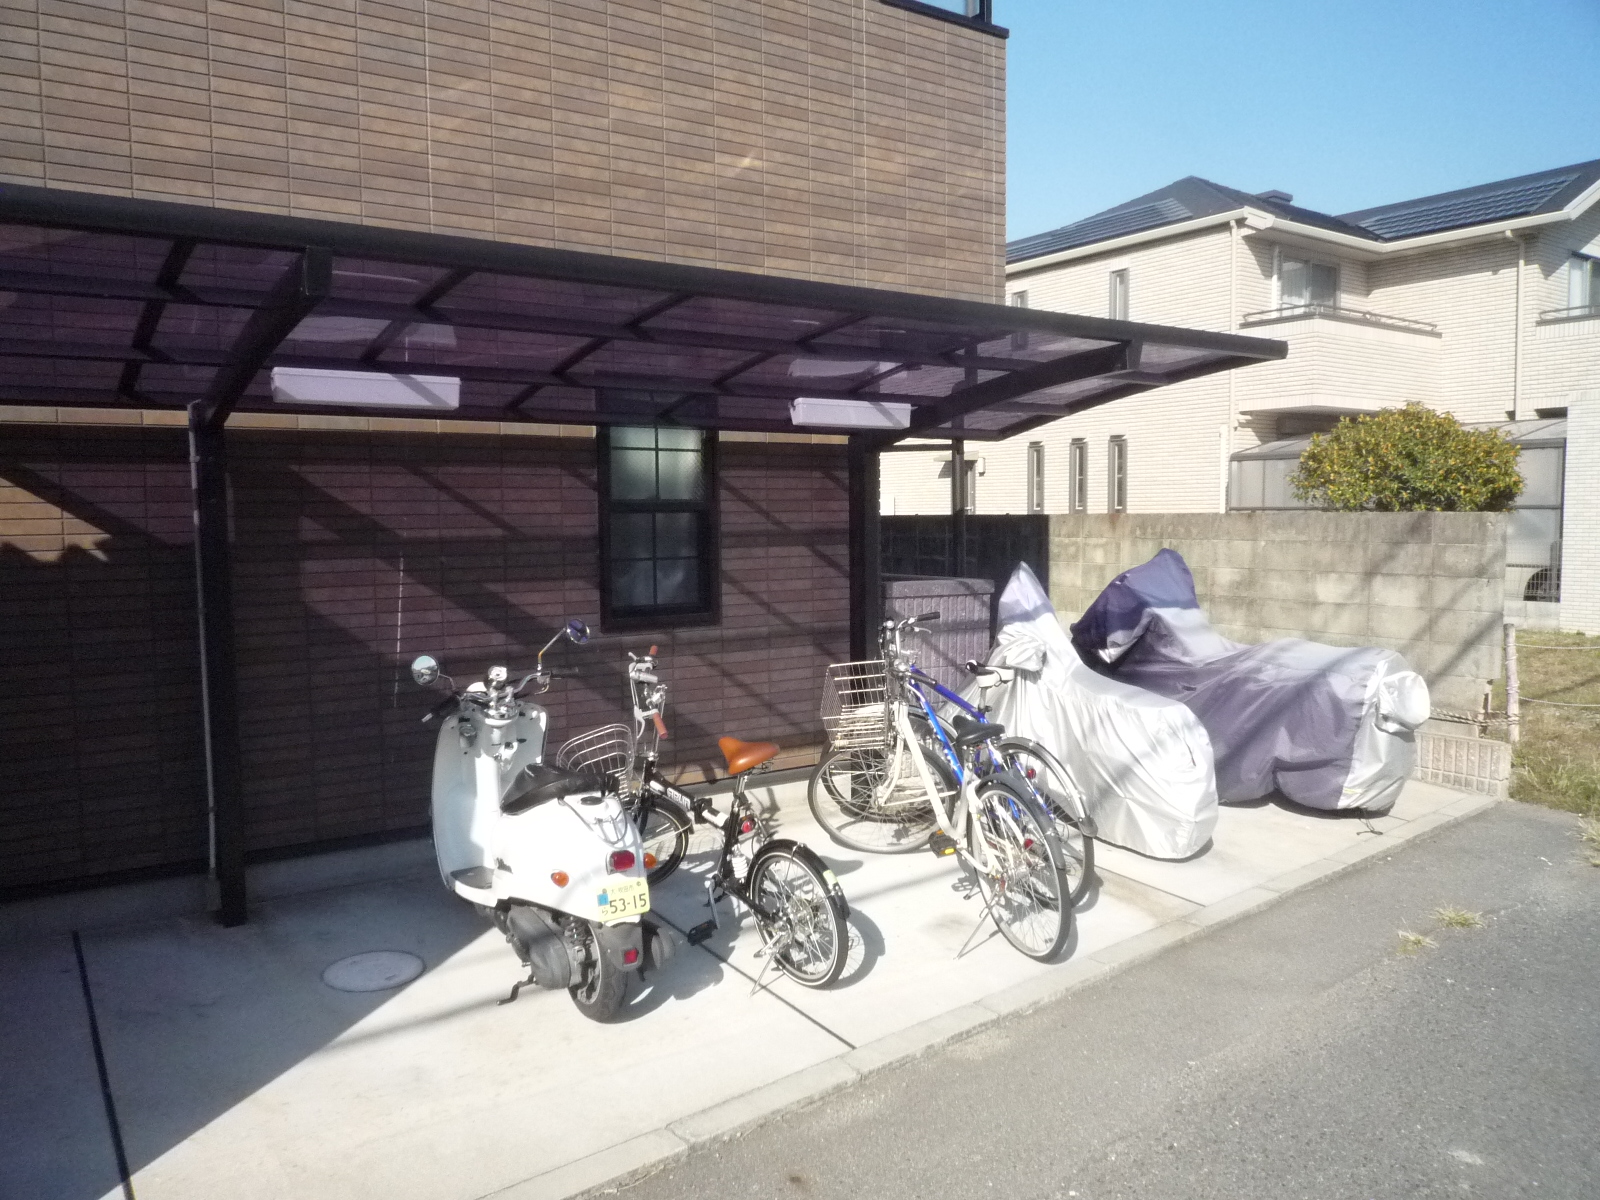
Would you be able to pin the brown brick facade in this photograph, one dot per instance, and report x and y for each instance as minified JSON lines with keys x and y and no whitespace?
{"x":843,"y":140}
{"x":354,"y":552}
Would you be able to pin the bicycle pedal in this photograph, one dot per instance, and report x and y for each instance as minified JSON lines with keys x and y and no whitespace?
{"x":942,"y":845}
{"x":700,"y":932}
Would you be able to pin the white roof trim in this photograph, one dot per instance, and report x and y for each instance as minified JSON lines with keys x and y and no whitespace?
{"x":1258,"y":220}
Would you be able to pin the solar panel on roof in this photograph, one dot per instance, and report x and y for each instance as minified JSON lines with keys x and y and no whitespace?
{"x":1465,"y":210}
{"x":1097,"y":228}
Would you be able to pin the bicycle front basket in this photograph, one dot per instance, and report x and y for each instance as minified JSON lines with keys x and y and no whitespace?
{"x":604,"y":751}
{"x":853,"y":709}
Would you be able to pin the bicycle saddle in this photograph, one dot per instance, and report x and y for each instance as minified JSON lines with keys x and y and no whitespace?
{"x":974,"y":733}
{"x":742,"y":756}
{"x":541,"y":783}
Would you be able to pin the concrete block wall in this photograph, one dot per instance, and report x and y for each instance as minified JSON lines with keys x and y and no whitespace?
{"x":1429,"y":585}
{"x":1580,"y":533}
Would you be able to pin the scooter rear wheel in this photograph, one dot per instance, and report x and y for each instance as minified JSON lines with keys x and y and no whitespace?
{"x":600,"y":994}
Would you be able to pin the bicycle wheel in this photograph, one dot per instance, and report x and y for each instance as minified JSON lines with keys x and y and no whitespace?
{"x":853,"y":797}
{"x":664,"y":828}
{"x":1019,"y":868}
{"x":806,"y":933}
{"x":1052,"y":786}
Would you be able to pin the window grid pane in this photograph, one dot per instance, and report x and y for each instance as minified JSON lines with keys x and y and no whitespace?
{"x":658,"y":523}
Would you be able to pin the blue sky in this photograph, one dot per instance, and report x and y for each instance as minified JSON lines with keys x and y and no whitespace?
{"x":1345,"y":104}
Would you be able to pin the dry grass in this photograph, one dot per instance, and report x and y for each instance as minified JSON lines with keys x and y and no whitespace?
{"x":1589,"y":831}
{"x":1413,"y":943}
{"x":1457,"y":918}
{"x":1557,"y":761}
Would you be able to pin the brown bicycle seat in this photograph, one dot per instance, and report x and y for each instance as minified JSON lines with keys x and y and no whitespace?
{"x":742,"y":756}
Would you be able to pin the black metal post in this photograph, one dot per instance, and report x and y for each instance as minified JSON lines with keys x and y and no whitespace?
{"x":958,"y":508}
{"x":866,"y":548}
{"x":213,"y":573}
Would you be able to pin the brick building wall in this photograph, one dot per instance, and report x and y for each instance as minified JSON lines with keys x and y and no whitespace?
{"x":355,"y":551}
{"x":843,"y":140}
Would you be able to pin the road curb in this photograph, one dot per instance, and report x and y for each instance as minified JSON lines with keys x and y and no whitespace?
{"x":610,"y":1170}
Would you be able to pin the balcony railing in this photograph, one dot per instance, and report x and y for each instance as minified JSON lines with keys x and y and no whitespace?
{"x":1335,"y":312}
{"x":1582,"y":312}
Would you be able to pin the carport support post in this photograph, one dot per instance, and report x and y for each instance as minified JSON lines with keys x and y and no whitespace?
{"x":866,"y":548}
{"x":213,"y":573}
{"x":958,"y":508}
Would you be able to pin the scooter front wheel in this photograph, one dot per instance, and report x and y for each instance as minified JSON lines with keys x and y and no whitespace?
{"x":600,"y":992}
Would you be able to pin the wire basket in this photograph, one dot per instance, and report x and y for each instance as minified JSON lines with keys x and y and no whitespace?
{"x":605,"y":751}
{"x":853,"y":709}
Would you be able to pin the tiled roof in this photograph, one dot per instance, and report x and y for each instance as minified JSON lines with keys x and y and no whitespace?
{"x":1192,"y":197}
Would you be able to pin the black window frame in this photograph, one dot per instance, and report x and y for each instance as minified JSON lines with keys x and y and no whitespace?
{"x":708,"y":610}
{"x":979,"y":15}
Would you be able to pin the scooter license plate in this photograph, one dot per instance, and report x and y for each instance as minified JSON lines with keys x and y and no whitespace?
{"x":624,"y":896}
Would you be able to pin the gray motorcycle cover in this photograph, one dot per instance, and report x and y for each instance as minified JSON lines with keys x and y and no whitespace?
{"x":1326,"y":726}
{"x":1141,"y":762}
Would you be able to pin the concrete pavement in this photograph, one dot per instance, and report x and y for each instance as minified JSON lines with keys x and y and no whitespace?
{"x":1299,"y":1054}
{"x":228,"y":1058}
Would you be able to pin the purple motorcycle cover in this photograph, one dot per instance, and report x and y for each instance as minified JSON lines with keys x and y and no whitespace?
{"x":1325,"y":726}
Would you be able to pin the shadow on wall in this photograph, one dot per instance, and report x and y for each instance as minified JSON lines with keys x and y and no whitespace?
{"x":352,"y":554}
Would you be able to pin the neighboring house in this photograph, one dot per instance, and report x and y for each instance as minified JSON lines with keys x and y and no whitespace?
{"x":1483,"y":302}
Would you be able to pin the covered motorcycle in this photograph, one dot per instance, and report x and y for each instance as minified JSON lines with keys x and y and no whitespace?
{"x":1328,"y":727}
{"x":1141,"y":762}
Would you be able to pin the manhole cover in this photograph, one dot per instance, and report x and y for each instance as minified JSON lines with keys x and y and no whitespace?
{"x":374,"y":971}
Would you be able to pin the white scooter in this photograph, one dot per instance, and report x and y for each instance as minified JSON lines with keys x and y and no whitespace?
{"x":549,"y":855}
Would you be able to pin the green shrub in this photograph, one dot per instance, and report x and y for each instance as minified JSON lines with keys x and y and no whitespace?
{"x":1408,"y":460}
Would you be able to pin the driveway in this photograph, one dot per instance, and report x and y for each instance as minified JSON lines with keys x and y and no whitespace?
{"x":226,"y":1058}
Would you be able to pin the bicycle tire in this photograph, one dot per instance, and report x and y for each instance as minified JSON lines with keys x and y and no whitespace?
{"x":807,"y":938}
{"x":1026,"y":891}
{"x":1052,"y":786}
{"x":664,"y":828}
{"x":852,"y":798}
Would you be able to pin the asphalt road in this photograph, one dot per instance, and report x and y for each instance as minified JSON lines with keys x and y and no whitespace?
{"x":1296,"y":1053}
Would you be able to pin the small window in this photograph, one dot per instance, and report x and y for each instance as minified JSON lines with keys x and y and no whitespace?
{"x":1583,"y":281}
{"x":1019,"y":340}
{"x":1305,"y":284}
{"x":1119,"y":295}
{"x":656,"y":524}
{"x":1036,"y":477}
{"x":1117,"y":474}
{"x":1019,"y":299}
{"x":1078,"y":476}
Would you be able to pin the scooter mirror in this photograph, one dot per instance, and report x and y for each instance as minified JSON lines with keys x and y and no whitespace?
{"x":577,"y":631}
{"x":425,"y":669}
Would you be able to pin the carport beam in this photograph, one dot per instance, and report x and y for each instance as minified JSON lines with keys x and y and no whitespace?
{"x":219,"y":694}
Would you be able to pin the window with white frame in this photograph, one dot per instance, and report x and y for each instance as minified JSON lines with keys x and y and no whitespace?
{"x":1583,"y":281}
{"x":1036,"y":477}
{"x":1117,"y":474}
{"x":1078,"y":476}
{"x":1118,"y":300}
{"x":1303,"y":283}
{"x":1019,"y":340}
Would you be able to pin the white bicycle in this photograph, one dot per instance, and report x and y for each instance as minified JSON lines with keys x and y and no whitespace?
{"x":898,"y":778}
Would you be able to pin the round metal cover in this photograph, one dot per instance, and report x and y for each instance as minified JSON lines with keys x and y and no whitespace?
{"x":374,"y":971}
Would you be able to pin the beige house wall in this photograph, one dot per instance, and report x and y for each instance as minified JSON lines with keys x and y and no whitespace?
{"x":841,"y":140}
{"x":1481,"y":361}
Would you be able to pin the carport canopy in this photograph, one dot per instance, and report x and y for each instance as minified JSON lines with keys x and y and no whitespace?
{"x":152,"y":305}
{"x":109,"y":302}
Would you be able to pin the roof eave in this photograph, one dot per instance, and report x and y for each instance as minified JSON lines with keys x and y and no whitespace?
{"x":1259,"y":221}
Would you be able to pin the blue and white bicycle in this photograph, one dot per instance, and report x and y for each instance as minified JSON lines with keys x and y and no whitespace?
{"x":897,"y":778}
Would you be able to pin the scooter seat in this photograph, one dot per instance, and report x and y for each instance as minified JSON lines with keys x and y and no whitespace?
{"x":541,"y":783}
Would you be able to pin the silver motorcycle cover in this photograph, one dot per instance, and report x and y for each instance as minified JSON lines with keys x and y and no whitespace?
{"x":1328,"y":727}
{"x":1142,"y":762}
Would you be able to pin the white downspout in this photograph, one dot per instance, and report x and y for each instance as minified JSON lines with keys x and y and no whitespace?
{"x":1516,"y":339}
{"x":1233,"y":327}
